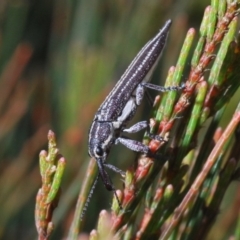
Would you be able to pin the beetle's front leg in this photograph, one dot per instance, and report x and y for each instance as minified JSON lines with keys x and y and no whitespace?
{"x":115,"y":169}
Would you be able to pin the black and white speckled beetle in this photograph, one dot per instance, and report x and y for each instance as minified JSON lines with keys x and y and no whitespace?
{"x":120,"y":106}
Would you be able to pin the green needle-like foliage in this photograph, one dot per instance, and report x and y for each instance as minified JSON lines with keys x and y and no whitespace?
{"x":52,"y":167}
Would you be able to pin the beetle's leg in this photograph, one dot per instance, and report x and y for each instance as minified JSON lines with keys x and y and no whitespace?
{"x":140,"y":126}
{"x":115,"y":169}
{"x":161,"y":88}
{"x":137,"y":127}
{"x":133,"y":145}
{"x":140,"y":91}
{"x":138,"y":147}
{"x":139,"y":94}
{"x":149,"y":98}
{"x":156,"y":137}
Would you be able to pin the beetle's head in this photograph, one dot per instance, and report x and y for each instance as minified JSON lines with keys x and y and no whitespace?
{"x":101,"y":138}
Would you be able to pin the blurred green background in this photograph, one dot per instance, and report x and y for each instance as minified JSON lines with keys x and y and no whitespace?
{"x":58,"y":60}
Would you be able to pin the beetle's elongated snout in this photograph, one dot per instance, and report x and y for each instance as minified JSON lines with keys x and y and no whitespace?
{"x":104,"y":175}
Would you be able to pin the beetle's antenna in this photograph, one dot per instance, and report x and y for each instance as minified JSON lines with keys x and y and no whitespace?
{"x":89,"y":198}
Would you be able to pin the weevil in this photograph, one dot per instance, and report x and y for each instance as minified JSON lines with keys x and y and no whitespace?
{"x":120,"y":105}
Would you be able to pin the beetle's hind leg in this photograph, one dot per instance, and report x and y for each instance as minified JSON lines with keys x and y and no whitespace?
{"x":161,"y":88}
{"x":115,"y":169}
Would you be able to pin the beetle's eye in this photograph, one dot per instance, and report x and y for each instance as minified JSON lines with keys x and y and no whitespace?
{"x":99,"y":151}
